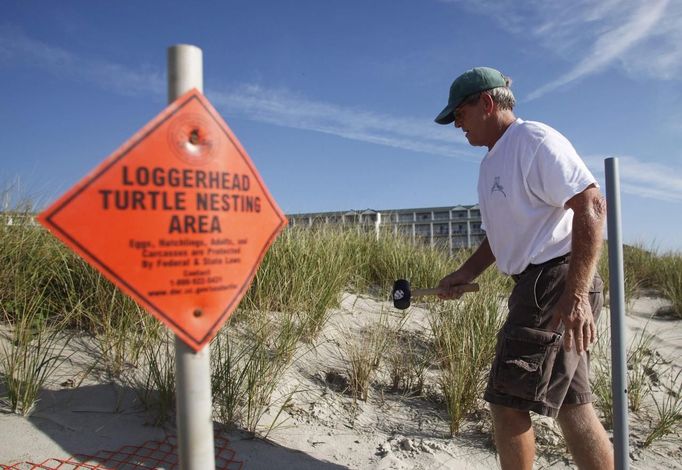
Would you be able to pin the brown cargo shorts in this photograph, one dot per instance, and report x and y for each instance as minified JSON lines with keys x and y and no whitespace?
{"x":531,"y":371}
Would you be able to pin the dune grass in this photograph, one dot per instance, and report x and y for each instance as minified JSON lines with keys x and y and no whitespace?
{"x":408,"y":357}
{"x":33,"y":343}
{"x":644,"y":268}
{"x":154,"y":381}
{"x":304,"y":273}
{"x":668,"y":408}
{"x":641,"y":363}
{"x":364,"y":353}
{"x":47,"y":292}
{"x":465,"y":335}
{"x":31,"y":352}
{"x":669,"y":278}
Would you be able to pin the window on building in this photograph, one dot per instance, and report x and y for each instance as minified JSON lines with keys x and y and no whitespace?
{"x":440,"y":229}
{"x":442,"y":215}
{"x":423,"y":215}
{"x":405,"y":230}
{"x":423,"y":230}
{"x":459,"y":242}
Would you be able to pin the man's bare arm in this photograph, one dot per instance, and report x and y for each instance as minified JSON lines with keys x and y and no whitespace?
{"x":478,"y":262}
{"x":573,"y":308}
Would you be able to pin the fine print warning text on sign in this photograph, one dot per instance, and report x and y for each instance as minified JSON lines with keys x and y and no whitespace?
{"x":178,"y":218}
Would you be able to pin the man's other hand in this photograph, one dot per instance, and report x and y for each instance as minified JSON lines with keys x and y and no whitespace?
{"x":574,"y":311}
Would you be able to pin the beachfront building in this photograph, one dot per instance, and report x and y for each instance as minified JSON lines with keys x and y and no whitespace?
{"x":11,"y":218}
{"x":448,"y":226}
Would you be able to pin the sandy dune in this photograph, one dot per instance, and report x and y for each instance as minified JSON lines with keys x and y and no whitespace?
{"x":323,"y":428}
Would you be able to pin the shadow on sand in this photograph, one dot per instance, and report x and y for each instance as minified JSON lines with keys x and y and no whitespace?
{"x":98,"y":420}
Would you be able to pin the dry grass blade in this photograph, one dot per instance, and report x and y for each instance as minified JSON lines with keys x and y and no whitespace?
{"x":408,"y":358}
{"x":668,"y":418}
{"x":670,"y":279}
{"x":465,"y":336}
{"x":154,"y":380}
{"x":363,"y":353}
{"x":31,"y":352}
{"x":600,"y":362}
{"x":248,"y":362}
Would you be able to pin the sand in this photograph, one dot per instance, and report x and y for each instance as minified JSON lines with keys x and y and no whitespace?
{"x":323,"y":428}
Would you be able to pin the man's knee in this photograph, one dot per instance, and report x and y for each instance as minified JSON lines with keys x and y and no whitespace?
{"x":577,"y":416}
{"x":510,"y":418}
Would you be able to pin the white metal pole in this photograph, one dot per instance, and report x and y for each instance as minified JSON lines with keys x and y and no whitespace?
{"x":377,"y":226}
{"x":617,"y":308}
{"x":192,"y":369}
{"x":185,"y":70}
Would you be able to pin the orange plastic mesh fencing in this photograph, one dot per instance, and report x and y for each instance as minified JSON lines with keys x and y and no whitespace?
{"x":159,"y":455}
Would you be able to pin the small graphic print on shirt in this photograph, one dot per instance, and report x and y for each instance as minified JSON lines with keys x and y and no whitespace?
{"x":498,"y":187}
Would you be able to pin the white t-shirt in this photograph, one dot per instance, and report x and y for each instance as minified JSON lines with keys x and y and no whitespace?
{"x":524,"y":183}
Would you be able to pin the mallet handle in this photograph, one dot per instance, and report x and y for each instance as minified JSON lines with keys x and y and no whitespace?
{"x":435,"y":290}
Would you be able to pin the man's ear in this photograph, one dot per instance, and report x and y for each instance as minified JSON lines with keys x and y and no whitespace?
{"x":488,"y":103}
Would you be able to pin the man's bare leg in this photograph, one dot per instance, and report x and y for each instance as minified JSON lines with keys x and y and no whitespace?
{"x":585,"y":437}
{"x":514,"y":438}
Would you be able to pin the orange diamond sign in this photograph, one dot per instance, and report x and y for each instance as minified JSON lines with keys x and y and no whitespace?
{"x":178,"y":218}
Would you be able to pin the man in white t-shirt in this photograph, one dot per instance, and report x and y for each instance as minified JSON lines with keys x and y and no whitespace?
{"x":543,"y":216}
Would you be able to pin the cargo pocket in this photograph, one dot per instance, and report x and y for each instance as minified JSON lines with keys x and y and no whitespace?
{"x":597,"y":285}
{"x":596,"y":296}
{"x":525,"y":361}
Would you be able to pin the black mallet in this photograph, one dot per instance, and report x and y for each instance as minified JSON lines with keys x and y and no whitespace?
{"x":402,"y":294}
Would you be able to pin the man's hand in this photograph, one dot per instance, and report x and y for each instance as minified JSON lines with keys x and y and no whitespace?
{"x":574,"y":311}
{"x":448,"y":286}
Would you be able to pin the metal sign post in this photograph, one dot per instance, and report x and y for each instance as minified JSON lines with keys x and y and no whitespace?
{"x":182,"y":181}
{"x":192,"y":369}
{"x":617,"y":306}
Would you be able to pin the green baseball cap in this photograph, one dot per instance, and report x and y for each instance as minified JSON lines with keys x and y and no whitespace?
{"x":472,"y":81}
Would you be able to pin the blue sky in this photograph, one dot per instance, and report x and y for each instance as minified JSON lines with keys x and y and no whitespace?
{"x":334,"y":101}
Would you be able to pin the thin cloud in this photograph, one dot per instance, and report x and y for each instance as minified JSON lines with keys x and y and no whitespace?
{"x":641,"y":36}
{"x":16,"y":47}
{"x":660,"y":56}
{"x":644,"y":179}
{"x":610,"y":46}
{"x":283,"y":108}
{"x":277,"y":107}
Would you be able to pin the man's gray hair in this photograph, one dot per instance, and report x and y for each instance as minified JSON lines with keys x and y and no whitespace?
{"x":503,"y":96}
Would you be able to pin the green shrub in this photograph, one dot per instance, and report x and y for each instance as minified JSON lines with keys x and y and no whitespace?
{"x":465,"y":333}
{"x":669,"y":280}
